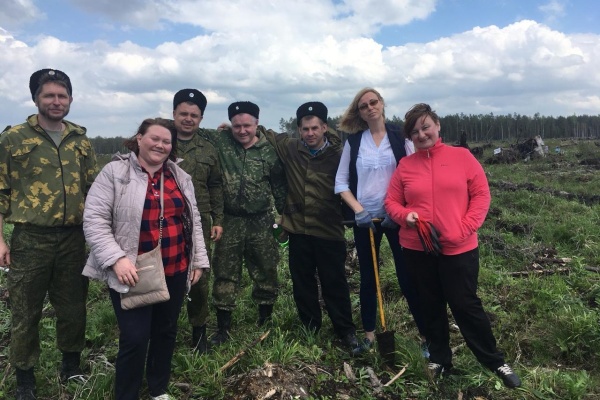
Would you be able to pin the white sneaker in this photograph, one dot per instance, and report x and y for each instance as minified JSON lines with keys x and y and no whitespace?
{"x":163,"y":397}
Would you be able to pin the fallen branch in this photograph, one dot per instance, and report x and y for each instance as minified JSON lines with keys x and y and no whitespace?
{"x":561,"y":271}
{"x":239,"y":355}
{"x":398,"y":375}
{"x":593,"y":269}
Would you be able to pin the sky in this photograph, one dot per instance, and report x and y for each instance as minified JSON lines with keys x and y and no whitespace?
{"x":126,"y":59}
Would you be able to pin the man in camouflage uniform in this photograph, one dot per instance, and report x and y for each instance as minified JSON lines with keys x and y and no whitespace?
{"x":312,"y":218}
{"x":201,"y":161}
{"x":253,"y":176}
{"x":47,"y":165}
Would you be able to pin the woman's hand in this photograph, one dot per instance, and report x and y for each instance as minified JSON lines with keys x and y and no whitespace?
{"x":195,"y":275}
{"x":126,"y":271}
{"x":411,"y":219}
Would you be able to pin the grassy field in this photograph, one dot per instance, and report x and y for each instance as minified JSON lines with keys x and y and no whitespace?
{"x":539,"y":282}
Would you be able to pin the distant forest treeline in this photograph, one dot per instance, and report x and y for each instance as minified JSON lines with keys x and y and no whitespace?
{"x":490,"y":127}
{"x":512,"y":128}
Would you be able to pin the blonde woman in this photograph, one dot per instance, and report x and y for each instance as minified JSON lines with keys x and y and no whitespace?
{"x":368,"y":161}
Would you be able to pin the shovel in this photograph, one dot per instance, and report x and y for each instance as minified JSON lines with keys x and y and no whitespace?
{"x":385,"y":339}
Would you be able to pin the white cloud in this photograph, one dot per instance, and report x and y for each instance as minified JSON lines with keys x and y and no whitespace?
{"x":14,"y":13}
{"x":280,"y":57}
{"x":526,"y":64}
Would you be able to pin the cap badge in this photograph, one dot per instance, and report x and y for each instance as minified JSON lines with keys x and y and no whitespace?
{"x":51,"y":72}
{"x":237,"y":107}
{"x":191,"y":94}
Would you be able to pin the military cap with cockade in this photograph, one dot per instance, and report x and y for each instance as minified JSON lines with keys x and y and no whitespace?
{"x":315,"y":108}
{"x":243,"y":107}
{"x":191,"y":95}
{"x":48,"y":75}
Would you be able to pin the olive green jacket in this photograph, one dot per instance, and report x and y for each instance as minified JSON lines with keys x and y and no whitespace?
{"x":42,"y":184}
{"x":251,"y":177}
{"x":201,"y":161}
{"x":312,"y":207}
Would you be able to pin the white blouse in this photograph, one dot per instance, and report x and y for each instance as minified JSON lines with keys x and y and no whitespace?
{"x":374,"y":167}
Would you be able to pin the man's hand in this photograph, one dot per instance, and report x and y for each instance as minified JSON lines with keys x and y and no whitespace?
{"x":4,"y":254}
{"x":126,"y":271}
{"x":223,"y":126}
{"x":216,"y":232}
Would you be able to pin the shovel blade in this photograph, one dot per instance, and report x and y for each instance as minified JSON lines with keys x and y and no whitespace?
{"x":387,"y":347}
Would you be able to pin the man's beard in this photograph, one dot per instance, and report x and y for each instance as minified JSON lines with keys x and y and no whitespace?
{"x":53,"y":118}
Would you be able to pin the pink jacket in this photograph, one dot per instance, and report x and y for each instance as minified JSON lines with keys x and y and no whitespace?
{"x":444,"y":185}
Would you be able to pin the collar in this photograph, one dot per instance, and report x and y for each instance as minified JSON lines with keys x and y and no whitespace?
{"x":431,"y":150}
{"x":314,"y":152}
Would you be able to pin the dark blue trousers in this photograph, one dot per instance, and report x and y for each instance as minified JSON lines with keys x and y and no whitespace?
{"x":147,"y":336}
{"x":368,"y":290}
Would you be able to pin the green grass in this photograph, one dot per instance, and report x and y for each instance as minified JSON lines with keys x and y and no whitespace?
{"x":547,"y":325}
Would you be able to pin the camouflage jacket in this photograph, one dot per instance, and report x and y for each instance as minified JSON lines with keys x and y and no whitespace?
{"x":40,"y":183}
{"x":312,"y":207}
{"x":201,"y":161}
{"x":251,"y":177}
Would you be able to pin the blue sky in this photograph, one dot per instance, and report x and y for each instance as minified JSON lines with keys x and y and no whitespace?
{"x":126,"y":59}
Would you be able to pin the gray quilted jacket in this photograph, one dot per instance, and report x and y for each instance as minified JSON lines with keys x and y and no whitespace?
{"x":113,"y":214}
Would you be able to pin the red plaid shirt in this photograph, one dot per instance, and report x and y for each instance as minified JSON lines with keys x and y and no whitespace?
{"x":174,"y":255}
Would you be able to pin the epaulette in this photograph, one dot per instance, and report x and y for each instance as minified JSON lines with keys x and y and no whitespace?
{"x":5,"y":129}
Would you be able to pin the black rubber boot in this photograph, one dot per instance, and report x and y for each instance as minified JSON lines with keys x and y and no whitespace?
{"x":70,"y":366}
{"x":223,"y":326}
{"x":265,"y":311}
{"x":25,"y":384}
{"x":199,"y":342}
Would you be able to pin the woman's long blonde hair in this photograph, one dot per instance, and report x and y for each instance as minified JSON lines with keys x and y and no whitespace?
{"x":351,"y":121}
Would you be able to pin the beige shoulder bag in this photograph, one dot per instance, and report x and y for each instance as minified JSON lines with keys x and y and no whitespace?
{"x":152,"y":286}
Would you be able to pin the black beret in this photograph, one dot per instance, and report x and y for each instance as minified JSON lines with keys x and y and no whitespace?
{"x":191,"y":95}
{"x":243,"y":107}
{"x":48,"y":75}
{"x":315,"y":108}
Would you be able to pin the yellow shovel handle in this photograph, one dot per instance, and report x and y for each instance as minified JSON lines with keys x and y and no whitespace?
{"x":376,"y":271}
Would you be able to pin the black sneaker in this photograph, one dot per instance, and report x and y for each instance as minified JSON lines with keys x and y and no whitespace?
{"x":509,"y":378}
{"x":362,"y":347}
{"x":366,"y":345}
{"x":435,"y":370}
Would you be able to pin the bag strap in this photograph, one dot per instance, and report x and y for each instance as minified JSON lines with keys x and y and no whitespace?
{"x":162,"y":208}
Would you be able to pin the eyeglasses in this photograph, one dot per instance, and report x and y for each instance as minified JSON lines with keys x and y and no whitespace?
{"x":371,"y":103}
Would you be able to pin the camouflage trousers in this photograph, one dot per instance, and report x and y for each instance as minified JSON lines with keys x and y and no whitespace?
{"x":246,"y":240}
{"x":197,"y":305}
{"x":46,"y":260}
